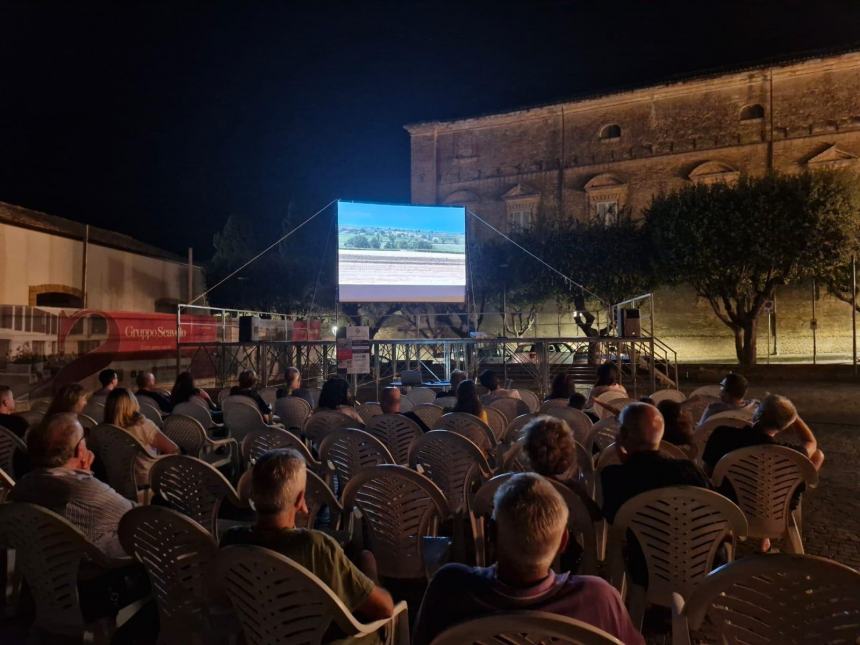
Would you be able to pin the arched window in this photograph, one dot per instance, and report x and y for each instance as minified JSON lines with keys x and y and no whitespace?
{"x":610,"y":132}
{"x":750,"y":112}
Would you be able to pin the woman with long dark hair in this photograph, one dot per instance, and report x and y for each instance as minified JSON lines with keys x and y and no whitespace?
{"x":607,"y":381}
{"x":468,"y":400}
{"x":184,"y":389}
{"x":335,"y":396}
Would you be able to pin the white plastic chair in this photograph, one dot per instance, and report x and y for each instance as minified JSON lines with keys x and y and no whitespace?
{"x":530,"y":399}
{"x":258,"y":442}
{"x":418,"y":395}
{"x":241,"y":418}
{"x":322,"y":422}
{"x":49,"y":551}
{"x":293,"y":411}
{"x":429,"y":413}
{"x":277,"y":600}
{"x":498,"y":423}
{"x":470,"y":427}
{"x":680,"y":529}
{"x":368,"y":410}
{"x":152,"y":413}
{"x":710,"y":391}
{"x":524,"y":628}
{"x":609,"y":455}
{"x":191,"y":437}
{"x":603,"y":433}
{"x":668,"y":395}
{"x":95,"y":410}
{"x":397,"y":433}
{"x":777,"y":599}
{"x":764,"y":479}
{"x":553,"y":403}
{"x":447,"y":403}
{"x":509,"y":406}
{"x":269,"y":394}
{"x":398,"y":507}
{"x":178,"y":555}
{"x":704,"y":432}
{"x":516,"y":425}
{"x":578,"y":421}
{"x":350,"y":450}
{"x":118,"y":452}
{"x":612,"y":397}
{"x":87,"y":422}
{"x":198,"y":412}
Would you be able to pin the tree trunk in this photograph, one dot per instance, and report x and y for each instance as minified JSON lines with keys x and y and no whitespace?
{"x":747,"y":337}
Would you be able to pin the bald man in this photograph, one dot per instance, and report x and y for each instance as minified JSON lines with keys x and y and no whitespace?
{"x":642,"y":466}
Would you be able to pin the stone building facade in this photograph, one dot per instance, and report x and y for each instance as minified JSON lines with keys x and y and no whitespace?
{"x":595,"y":156}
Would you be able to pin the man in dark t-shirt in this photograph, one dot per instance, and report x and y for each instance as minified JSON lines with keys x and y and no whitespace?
{"x":247,"y":382}
{"x":147,"y":387}
{"x":8,"y":418}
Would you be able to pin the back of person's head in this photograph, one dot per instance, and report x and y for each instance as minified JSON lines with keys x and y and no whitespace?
{"x":389,"y":400}
{"x":678,"y":424}
{"x":335,"y":392}
{"x":183,"y":388}
{"x":247,"y":379}
{"x":489,"y":380}
{"x":457,"y":377}
{"x":577,"y":400}
{"x":550,"y":447}
{"x":72,"y":397}
{"x":734,"y":385}
{"x":775,"y":412}
{"x":145,"y":380}
{"x":7,"y":398}
{"x":562,"y":386}
{"x":122,"y":408}
{"x":291,"y":376}
{"x":468,"y":399}
{"x":607,"y":374}
{"x":531,"y":520}
{"x":278,"y":480}
{"x":108,"y":376}
{"x":53,"y":442}
{"x":641,"y":428}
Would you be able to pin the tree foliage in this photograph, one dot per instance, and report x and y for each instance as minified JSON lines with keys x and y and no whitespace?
{"x":735,"y":244}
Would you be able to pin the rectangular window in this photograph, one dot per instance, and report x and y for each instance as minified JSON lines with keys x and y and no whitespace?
{"x":607,"y":212}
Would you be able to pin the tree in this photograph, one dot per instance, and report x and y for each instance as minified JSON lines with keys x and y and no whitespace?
{"x":735,"y":244}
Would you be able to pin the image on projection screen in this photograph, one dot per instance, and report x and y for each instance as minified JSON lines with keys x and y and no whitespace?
{"x":388,"y":253}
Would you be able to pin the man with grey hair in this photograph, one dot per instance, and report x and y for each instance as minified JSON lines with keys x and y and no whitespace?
{"x":774,"y":422}
{"x":147,"y":387}
{"x":278,"y":482}
{"x":530,"y":529}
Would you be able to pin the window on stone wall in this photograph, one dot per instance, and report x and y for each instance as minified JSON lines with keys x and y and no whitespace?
{"x":607,"y":212}
{"x":750,"y":112}
{"x":521,"y":213}
{"x":610,"y":132}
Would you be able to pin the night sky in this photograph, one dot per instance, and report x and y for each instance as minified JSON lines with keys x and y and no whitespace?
{"x":162,"y":119}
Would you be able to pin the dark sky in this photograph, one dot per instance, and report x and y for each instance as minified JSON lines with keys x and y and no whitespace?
{"x":161,"y":119}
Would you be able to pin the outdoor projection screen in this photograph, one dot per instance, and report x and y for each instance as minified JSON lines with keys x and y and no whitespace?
{"x":388,"y":253}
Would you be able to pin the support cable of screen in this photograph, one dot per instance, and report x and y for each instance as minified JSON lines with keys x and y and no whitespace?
{"x":261,"y":253}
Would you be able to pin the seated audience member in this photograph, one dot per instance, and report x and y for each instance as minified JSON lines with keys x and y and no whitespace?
{"x":775,"y":422}
{"x":550,"y":447}
{"x":733,"y":389}
{"x":278,"y":482}
{"x":642,"y":468}
{"x":69,"y":398}
{"x":530,"y":521}
{"x":184,"y":389}
{"x":146,"y":386}
{"x":490,"y":380}
{"x":390,"y":404}
{"x":122,"y":409}
{"x":62,"y":481}
{"x":678,"y":423}
{"x":468,"y":400}
{"x":562,"y":387}
{"x":109,"y":379}
{"x":457,"y":377}
{"x":247,"y":387}
{"x":607,"y":381}
{"x":335,"y":396}
{"x":293,"y":386}
{"x":577,"y":401}
{"x":8,"y":418}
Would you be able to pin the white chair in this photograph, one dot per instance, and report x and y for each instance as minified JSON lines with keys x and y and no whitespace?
{"x":406,"y":404}
{"x":704,"y":432}
{"x":398,"y":507}
{"x":668,"y":395}
{"x":87,"y":422}
{"x":498,"y":423}
{"x":350,"y":450}
{"x":429,"y":413}
{"x":194,"y":488}
{"x":603,"y":433}
{"x":257,"y":443}
{"x":178,"y":555}
{"x":509,"y":406}
{"x":293,"y":411}
{"x":741,"y":414}
{"x":447,"y":403}
{"x":318,"y":496}
{"x":418,"y":395}
{"x":578,"y":421}
{"x":241,"y":418}
{"x":277,"y":600}
{"x":710,"y":391}
{"x":470,"y":427}
{"x":95,"y":410}
{"x":697,"y":406}
{"x":199,"y":413}
{"x":323,"y":422}
{"x":118,"y":452}
{"x":397,"y":433}
{"x":771,"y":599}
{"x":553,"y":403}
{"x":610,"y":397}
{"x":368,"y":410}
{"x":523,"y":628}
{"x":269,"y":395}
{"x":765,"y":479}
{"x":49,"y":551}
{"x":455,"y":464}
{"x":152,"y":413}
{"x":530,"y":399}
{"x":680,"y":529}
{"x":516,"y":425}
{"x":609,"y":455}
{"x":191,"y":437}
